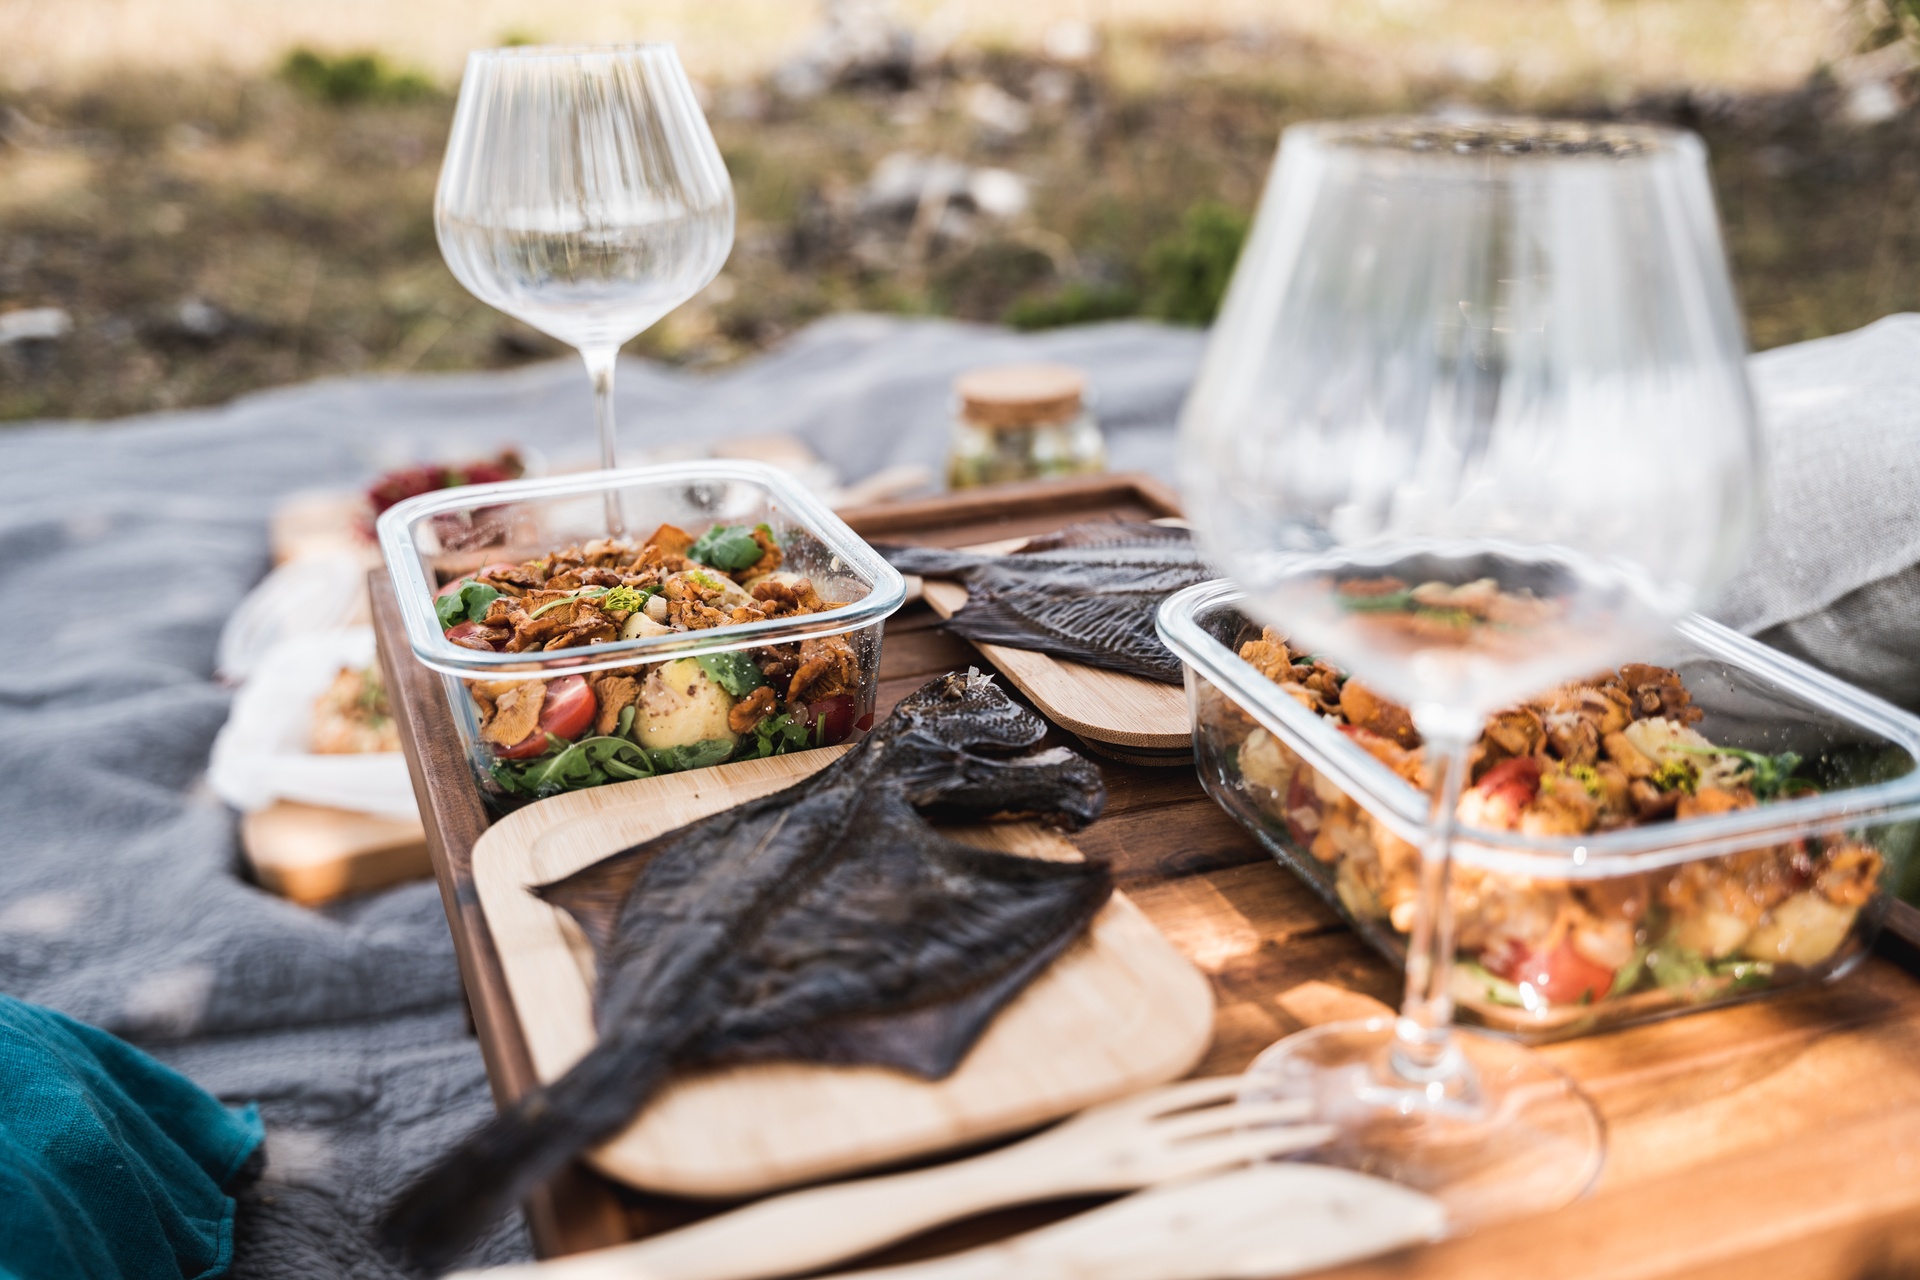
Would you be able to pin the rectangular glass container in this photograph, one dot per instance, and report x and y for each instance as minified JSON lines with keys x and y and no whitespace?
{"x":433,"y":539}
{"x":1563,"y":935}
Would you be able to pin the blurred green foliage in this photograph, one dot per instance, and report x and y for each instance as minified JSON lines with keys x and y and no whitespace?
{"x":1184,"y":276}
{"x":1187,"y":273}
{"x":1077,"y":303}
{"x":353,"y":77}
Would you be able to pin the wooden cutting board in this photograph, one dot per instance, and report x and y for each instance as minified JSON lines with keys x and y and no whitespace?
{"x":313,"y":855}
{"x":1106,"y":708}
{"x":1120,"y":1010}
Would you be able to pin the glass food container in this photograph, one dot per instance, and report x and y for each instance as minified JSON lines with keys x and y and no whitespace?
{"x":1022,"y":422}
{"x":677,"y":710}
{"x":1563,"y":935}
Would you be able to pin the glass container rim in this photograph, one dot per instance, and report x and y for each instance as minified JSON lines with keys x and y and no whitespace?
{"x":1403,"y":808}
{"x":885,"y":594}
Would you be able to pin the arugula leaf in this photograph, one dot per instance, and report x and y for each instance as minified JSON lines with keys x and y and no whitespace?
{"x":776,"y":736}
{"x":1471,"y":974}
{"x":469,"y":604}
{"x":735,"y":672}
{"x":697,"y":755}
{"x":728,"y":548}
{"x":1392,"y":602}
{"x":1675,"y":966}
{"x":590,"y":762}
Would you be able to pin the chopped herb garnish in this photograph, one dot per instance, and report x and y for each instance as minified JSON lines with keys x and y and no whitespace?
{"x":1772,"y":775}
{"x":625,"y":599}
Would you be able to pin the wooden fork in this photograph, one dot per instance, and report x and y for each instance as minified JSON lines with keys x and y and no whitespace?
{"x":1179,"y":1131}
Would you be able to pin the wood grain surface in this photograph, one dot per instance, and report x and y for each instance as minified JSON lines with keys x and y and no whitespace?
{"x":1119,"y":1011}
{"x":1776,"y":1138}
{"x":312,"y":854}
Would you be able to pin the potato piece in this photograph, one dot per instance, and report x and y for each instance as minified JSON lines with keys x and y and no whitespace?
{"x":1803,"y":930}
{"x":640,"y":625}
{"x":1265,"y":763}
{"x":1712,"y":933}
{"x":680,"y":705}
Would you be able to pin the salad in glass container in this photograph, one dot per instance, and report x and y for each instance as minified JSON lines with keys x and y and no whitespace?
{"x":1633,"y":843}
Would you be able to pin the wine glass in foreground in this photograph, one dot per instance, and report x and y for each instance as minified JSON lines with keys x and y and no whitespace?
{"x":1474,"y":420}
{"x":582,"y":192}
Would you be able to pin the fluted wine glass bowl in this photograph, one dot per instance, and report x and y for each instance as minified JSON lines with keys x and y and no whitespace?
{"x":1511,"y":348}
{"x":1474,"y":420}
{"x":583,"y":193}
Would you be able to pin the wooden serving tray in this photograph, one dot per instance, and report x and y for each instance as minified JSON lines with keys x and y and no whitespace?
{"x":1776,"y":1138}
{"x":1117,"y":1012}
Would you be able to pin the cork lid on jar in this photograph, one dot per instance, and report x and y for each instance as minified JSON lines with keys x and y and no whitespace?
{"x":1011,"y":396}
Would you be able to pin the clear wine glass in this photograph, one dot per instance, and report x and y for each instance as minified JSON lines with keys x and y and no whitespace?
{"x":1474,"y":419}
{"x":583,"y":193}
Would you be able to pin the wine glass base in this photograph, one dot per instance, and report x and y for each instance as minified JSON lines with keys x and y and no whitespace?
{"x":1503,"y":1134}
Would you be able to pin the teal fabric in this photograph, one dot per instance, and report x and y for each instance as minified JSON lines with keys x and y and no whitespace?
{"x":111,"y":1165}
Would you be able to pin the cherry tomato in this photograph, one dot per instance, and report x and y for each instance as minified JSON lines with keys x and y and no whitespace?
{"x":566,"y":712}
{"x":569,"y":708}
{"x":1562,"y":975}
{"x":463,"y":635}
{"x":528,"y":748}
{"x":1518,"y":778}
{"x":834,"y":716}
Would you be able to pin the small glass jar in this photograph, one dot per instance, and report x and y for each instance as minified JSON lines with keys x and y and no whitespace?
{"x":1022,"y":422}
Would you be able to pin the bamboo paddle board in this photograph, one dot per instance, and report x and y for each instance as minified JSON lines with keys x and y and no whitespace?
{"x":1147,"y":720}
{"x":1118,"y":1011}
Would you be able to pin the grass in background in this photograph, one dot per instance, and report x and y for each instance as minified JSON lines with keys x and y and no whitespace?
{"x":219,"y":232}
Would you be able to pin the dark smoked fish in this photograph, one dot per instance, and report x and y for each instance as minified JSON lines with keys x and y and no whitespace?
{"x":825,"y":923}
{"x":1087,"y":593}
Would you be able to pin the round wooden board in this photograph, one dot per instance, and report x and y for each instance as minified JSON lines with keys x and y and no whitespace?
{"x":1098,"y":705}
{"x":1119,"y":1011}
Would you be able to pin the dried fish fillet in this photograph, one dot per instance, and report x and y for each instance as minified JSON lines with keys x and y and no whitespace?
{"x":826,"y":923}
{"x":1087,"y":593}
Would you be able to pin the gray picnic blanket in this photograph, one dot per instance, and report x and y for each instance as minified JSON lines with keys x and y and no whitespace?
{"x":124,"y":546}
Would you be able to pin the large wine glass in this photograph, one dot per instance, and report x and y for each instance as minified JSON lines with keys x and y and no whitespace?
{"x":1474,"y":420}
{"x":582,"y":192}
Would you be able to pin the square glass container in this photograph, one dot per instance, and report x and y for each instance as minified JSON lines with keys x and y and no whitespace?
{"x":432,"y":540}
{"x":1563,"y":935}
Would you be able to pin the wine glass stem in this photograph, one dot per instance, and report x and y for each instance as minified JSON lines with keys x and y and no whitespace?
{"x":1423,"y":1050}
{"x":600,"y":362}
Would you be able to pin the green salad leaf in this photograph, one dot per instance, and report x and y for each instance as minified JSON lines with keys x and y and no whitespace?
{"x":727,"y":547}
{"x":697,"y":755}
{"x":735,"y":672}
{"x":1676,"y":967}
{"x":590,"y":762}
{"x":469,"y":604}
{"x":1480,"y":980}
{"x":777,"y":735}
{"x":1391,"y":602}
